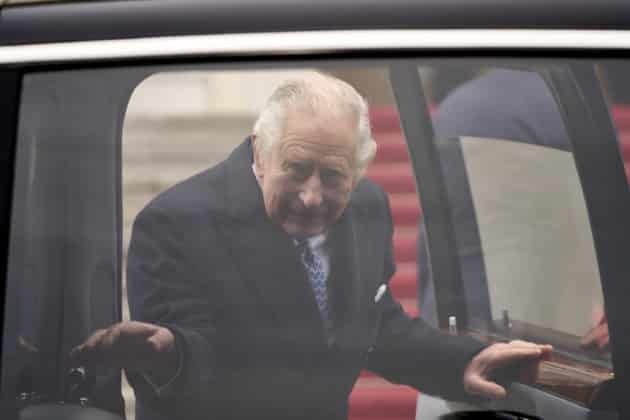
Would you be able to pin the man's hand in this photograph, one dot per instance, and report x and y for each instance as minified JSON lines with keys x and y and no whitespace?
{"x":130,"y":345}
{"x":597,"y":337}
{"x":517,"y":360}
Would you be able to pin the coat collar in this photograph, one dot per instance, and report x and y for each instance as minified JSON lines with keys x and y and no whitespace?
{"x":244,"y":196}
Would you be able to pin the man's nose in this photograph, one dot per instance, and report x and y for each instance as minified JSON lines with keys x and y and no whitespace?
{"x":311,"y":194}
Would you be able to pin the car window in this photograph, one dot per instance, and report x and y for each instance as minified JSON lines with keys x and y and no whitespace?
{"x":523,"y":239}
{"x":167,"y":127}
{"x":145,"y":193}
{"x":63,"y":275}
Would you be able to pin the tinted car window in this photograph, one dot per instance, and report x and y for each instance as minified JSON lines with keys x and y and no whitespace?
{"x":96,"y":147}
{"x":170,"y":127}
{"x":522,"y":233}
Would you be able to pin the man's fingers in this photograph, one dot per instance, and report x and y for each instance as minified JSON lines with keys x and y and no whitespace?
{"x":127,"y":344}
{"x":83,"y":353}
{"x":596,"y":337}
{"x":589,"y":338}
{"x":600,"y":337}
{"x":484,"y":388}
{"x":504,"y":363}
{"x":99,"y":349}
{"x":546,"y":349}
{"x":522,"y":343}
{"x":136,"y":330}
{"x":508,"y":354}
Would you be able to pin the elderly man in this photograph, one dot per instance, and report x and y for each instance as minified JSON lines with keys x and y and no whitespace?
{"x":260,"y":285}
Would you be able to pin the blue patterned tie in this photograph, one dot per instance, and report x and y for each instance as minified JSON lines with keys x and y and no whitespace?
{"x":315,"y":270}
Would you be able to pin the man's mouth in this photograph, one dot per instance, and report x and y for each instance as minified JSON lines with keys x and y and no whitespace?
{"x":301,"y":213}
{"x":308,"y":218}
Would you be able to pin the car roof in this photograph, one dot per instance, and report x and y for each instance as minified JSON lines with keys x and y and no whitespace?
{"x":99,"y":20}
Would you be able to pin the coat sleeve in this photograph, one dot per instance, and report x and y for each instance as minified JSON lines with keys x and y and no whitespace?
{"x":411,"y":352}
{"x":166,"y":287}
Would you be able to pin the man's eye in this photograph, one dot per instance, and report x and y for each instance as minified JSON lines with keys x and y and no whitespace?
{"x":331,"y":176}
{"x":298,"y":169}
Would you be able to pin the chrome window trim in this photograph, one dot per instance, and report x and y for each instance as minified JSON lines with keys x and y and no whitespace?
{"x":313,"y":42}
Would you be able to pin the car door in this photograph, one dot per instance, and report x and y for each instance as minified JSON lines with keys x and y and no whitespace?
{"x":524,"y":161}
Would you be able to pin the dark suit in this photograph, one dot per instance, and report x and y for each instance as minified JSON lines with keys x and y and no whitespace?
{"x":206,"y":262}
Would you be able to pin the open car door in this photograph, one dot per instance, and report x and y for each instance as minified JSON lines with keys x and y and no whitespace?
{"x":523,"y":235}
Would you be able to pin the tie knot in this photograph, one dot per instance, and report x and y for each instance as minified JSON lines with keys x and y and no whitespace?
{"x":304,"y":249}
{"x":301,"y":243}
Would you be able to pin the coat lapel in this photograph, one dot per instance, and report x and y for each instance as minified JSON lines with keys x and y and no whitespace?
{"x":268,"y":259}
{"x":349,"y":277}
{"x":344,"y":280}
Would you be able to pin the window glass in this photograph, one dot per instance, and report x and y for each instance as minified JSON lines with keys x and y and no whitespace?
{"x":149,"y":195}
{"x":77,"y":204}
{"x":180,"y":124}
{"x":523,"y":239}
{"x":63,"y":275}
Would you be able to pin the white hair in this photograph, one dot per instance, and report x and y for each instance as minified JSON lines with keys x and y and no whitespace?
{"x":316,"y":92}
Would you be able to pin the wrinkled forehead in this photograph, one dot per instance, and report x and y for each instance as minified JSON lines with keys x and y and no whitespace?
{"x":324,"y":107}
{"x":327,"y":128}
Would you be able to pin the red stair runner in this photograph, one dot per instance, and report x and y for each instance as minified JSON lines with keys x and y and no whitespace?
{"x":374,"y":398}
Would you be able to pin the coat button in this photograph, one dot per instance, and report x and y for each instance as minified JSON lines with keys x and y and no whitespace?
{"x":367,"y":352}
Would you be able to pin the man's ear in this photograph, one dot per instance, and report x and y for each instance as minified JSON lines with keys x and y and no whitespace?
{"x":258,"y":159}
{"x":358,"y":174}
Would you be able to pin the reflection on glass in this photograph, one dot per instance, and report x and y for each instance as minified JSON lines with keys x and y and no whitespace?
{"x":536,"y":239}
{"x":179,"y":124}
{"x":522,"y":233}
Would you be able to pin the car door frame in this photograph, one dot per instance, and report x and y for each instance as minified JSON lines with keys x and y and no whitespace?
{"x":10,"y":83}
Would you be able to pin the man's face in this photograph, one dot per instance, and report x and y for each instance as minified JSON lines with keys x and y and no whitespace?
{"x":308,"y":175}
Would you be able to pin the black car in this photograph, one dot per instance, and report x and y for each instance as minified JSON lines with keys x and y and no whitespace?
{"x":502,"y":131}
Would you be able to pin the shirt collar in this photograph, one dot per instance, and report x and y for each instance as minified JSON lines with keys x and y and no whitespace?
{"x":315,"y":242}
{"x":255,"y":173}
